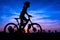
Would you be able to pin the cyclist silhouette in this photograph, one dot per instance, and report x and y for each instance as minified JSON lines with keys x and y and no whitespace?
{"x":22,"y":15}
{"x":23,"y":22}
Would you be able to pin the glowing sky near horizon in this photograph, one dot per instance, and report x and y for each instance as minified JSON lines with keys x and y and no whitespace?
{"x":44,"y":12}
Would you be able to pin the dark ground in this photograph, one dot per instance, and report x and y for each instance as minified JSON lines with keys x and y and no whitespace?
{"x":39,"y":36}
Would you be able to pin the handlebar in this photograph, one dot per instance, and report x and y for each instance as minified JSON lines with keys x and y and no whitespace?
{"x":29,"y":17}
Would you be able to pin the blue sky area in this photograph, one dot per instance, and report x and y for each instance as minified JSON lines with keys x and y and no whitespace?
{"x":44,"y":12}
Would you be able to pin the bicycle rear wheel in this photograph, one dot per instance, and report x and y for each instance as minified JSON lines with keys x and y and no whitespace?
{"x":13,"y":27}
{"x":34,"y":28}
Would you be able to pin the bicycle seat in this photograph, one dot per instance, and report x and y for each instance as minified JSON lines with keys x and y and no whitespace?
{"x":16,"y":18}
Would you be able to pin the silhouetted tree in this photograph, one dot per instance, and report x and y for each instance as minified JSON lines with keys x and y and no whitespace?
{"x":49,"y":31}
{"x":55,"y":31}
{"x":43,"y":31}
{"x":34,"y":29}
{"x":10,"y":29}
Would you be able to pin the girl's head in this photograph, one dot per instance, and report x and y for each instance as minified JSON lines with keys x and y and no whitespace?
{"x":27,"y":4}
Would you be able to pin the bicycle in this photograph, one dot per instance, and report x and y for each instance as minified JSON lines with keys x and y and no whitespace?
{"x":34,"y":27}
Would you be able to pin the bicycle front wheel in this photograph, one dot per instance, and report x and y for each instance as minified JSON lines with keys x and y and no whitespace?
{"x":13,"y":27}
{"x":34,"y":28}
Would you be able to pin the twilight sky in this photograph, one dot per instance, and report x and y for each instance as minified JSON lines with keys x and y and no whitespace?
{"x":44,"y":12}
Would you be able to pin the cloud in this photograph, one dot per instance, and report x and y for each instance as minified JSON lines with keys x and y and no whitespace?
{"x":34,"y":16}
{"x":49,"y":24}
{"x":33,"y":13}
{"x":39,"y":14}
{"x":36,"y":11}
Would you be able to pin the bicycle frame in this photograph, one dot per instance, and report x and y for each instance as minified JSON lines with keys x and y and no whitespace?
{"x":19,"y":19}
{"x":18,"y":25}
